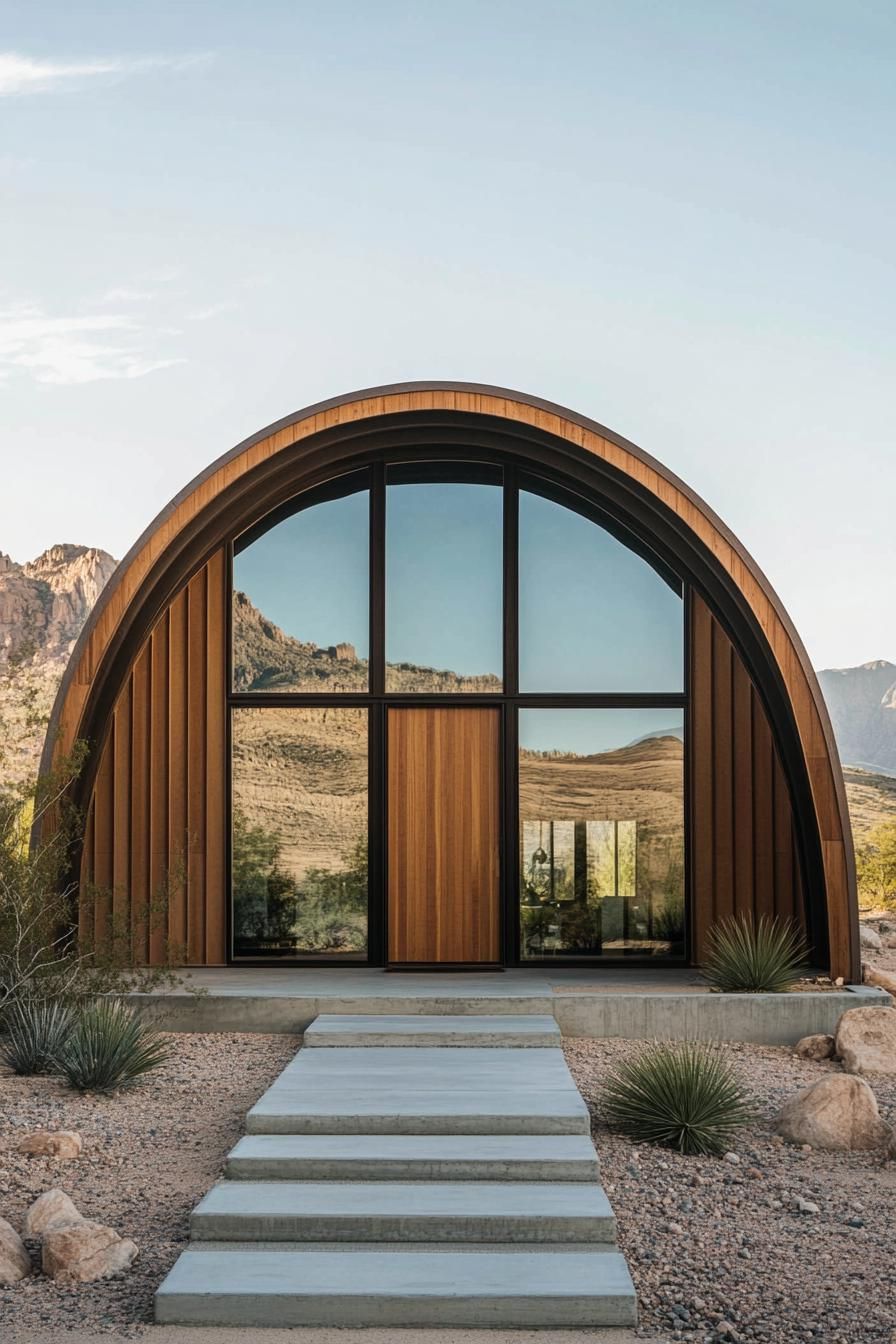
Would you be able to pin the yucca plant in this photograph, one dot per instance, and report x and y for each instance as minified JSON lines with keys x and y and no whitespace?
{"x":679,"y":1095}
{"x":760,"y":956}
{"x":110,"y":1048}
{"x":34,"y":1033}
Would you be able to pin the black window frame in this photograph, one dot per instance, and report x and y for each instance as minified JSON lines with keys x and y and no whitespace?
{"x":441,"y":464}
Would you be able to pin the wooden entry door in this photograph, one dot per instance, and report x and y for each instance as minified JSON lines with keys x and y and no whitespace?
{"x":444,"y":835}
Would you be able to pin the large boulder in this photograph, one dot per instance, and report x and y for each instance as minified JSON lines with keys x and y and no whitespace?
{"x":53,"y":1206}
{"x":866,"y":1040}
{"x":880,"y":979}
{"x":83,"y":1251}
{"x":838,"y":1112}
{"x":46,"y":1143}
{"x":869,"y":938}
{"x":15,"y":1262}
{"x":815,"y":1047}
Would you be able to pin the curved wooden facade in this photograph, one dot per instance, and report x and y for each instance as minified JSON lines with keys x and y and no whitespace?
{"x":147,"y":683}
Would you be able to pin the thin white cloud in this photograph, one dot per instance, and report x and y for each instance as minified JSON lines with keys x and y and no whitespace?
{"x":213,"y":310}
{"x":21,"y":74}
{"x":83,"y":348}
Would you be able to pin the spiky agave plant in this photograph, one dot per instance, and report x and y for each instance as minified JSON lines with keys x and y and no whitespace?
{"x":748,"y":955}
{"x":34,"y":1032}
{"x":110,"y":1048}
{"x":680,"y":1095}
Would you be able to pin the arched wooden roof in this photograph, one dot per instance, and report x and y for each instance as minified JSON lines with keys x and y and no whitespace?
{"x":308,"y":446}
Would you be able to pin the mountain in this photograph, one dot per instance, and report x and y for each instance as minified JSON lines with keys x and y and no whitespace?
{"x":862,"y":705}
{"x":265,"y":658}
{"x":43,"y":606}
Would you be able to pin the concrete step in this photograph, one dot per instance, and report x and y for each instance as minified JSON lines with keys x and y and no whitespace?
{"x":398,"y":1286}
{"x":422,"y":1090}
{"x":403,"y":1211}
{"x":369,"y":1029}
{"x":413,"y":1157}
{"x":431,"y":1112}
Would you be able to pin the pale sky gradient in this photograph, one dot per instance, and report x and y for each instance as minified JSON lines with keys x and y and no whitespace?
{"x":676,"y":218}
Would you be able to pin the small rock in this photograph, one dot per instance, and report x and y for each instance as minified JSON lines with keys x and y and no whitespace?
{"x":869,"y":938}
{"x":64,"y":1143}
{"x":866,"y":1040}
{"x":53,"y":1206}
{"x":836,"y":1113}
{"x":855,"y":1222}
{"x":675,"y":1228}
{"x":15,"y":1262}
{"x":806,"y":1206}
{"x":83,"y":1251}
{"x":732,"y":1158}
{"x":815,"y":1047}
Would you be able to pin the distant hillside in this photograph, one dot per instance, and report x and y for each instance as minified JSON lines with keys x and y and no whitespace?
{"x":872,"y":800}
{"x":862,"y":705}
{"x":265,"y":658}
{"x":43,"y":606}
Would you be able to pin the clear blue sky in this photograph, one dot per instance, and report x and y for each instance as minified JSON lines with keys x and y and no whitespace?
{"x":676,"y":218}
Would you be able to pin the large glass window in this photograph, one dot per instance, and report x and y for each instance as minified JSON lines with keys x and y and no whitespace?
{"x":390,"y":584}
{"x":594,"y":616}
{"x":300,"y":601}
{"x":299,"y":838}
{"x":601,"y":803}
{"x":444,"y":588}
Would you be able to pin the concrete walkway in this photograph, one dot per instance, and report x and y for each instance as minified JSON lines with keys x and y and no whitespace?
{"x":410,"y":1185}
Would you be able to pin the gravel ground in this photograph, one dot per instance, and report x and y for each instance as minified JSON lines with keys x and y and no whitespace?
{"x":149,"y":1156}
{"x":709,"y":1240}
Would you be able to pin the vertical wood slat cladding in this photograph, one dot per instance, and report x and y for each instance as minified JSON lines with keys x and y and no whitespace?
{"x":156,"y":822}
{"x":444,"y":824}
{"x":320,"y":437}
{"x":743,"y":854}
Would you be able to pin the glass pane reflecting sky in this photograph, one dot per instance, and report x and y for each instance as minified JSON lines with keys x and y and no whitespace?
{"x":593,"y":615}
{"x":309,"y":573}
{"x":586,"y":732}
{"x":444,"y":577}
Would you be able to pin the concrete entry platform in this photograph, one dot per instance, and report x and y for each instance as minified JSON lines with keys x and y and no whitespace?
{"x":634,"y":1003}
{"x":403,"y":1227}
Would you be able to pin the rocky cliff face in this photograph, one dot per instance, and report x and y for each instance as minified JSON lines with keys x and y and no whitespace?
{"x":862,"y":704}
{"x":43,"y":607}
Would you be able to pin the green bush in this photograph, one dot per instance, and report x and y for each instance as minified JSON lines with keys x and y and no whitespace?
{"x":680,"y":1095}
{"x":110,"y":1048}
{"x":34,"y":1034}
{"x":759,"y":956}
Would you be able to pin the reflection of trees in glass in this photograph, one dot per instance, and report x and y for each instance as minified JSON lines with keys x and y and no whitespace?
{"x":324,"y":911}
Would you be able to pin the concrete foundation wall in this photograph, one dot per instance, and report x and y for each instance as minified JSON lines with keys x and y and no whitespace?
{"x":764,"y":1019}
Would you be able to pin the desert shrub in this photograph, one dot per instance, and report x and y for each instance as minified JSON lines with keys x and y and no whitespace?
{"x":109,"y":1047}
{"x":34,"y":1033}
{"x":44,"y":956}
{"x":762,"y":956}
{"x":876,"y":867}
{"x":679,"y":1095}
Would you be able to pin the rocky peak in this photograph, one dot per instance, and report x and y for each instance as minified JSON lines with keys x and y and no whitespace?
{"x":44,"y":603}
